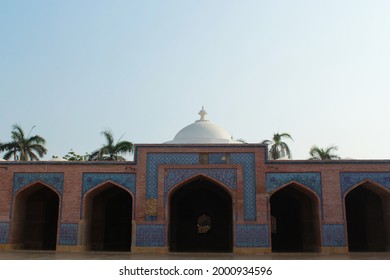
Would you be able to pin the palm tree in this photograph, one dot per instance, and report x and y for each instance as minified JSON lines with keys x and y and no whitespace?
{"x":277,"y":147}
{"x":111,"y":151}
{"x":24,"y":148}
{"x":317,"y":153}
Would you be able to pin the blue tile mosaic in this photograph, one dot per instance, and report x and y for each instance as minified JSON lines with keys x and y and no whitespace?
{"x":227,"y":176}
{"x":247,"y":160}
{"x":351,"y":179}
{"x":154,"y":160}
{"x":333,"y":235}
{"x":311,"y":180}
{"x":126,"y":180}
{"x":4,"y":232}
{"x":68,"y":234}
{"x":55,"y":180}
{"x":252,"y":236}
{"x":150,"y":235}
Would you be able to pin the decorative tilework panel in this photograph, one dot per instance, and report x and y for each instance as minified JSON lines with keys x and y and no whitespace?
{"x":217,"y":158}
{"x":350,"y":179}
{"x":247,"y":160}
{"x":153,"y":161}
{"x":4,"y":232}
{"x":91,"y":180}
{"x":333,"y":235}
{"x":226,"y":176}
{"x":150,"y":235}
{"x":252,"y":236}
{"x":311,"y":180}
{"x":55,"y":180}
{"x":68,"y":234}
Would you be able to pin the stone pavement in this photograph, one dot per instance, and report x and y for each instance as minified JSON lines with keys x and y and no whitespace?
{"x":51,"y":255}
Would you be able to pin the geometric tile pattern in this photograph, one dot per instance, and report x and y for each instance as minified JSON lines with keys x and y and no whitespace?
{"x":152,"y":235}
{"x":126,"y":180}
{"x":55,"y":180}
{"x":252,"y":236}
{"x":333,"y":235}
{"x":154,"y":160}
{"x":226,"y":176}
{"x":247,"y":160}
{"x":350,"y":179}
{"x":311,"y":180}
{"x":4,"y":232}
{"x":68,"y":234}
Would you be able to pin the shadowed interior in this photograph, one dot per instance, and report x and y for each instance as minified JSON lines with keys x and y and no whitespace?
{"x":295,"y":220}
{"x":35,"y":219}
{"x":108,"y":219}
{"x":201,"y":218}
{"x":368,"y":226}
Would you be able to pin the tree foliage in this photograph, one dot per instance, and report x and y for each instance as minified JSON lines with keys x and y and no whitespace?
{"x":317,"y":153}
{"x":23,"y":148}
{"x":277,"y":148}
{"x":72,"y":156}
{"x":112,"y":151}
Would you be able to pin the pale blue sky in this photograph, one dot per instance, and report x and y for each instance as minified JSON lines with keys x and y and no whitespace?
{"x":316,"y":69}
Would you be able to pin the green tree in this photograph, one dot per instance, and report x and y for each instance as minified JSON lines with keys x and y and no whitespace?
{"x":317,"y":153}
{"x":111,"y":151}
{"x":277,"y":148}
{"x":23,"y":148}
{"x":72,"y":156}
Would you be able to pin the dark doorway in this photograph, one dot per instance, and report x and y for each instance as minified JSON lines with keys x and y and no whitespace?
{"x":36,"y":219}
{"x":201,"y":218}
{"x":110,"y":220}
{"x":366,"y":220}
{"x":294,"y":220}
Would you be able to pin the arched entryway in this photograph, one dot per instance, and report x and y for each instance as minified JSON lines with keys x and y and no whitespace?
{"x":295,"y":220}
{"x":108,"y":219}
{"x":367,"y":220}
{"x":35,"y":218}
{"x":201,"y":218}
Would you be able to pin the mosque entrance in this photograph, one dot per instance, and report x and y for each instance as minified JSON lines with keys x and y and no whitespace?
{"x":108,"y":219}
{"x":201,"y":218}
{"x":295,"y":220}
{"x":367,"y":219}
{"x":35,"y":218}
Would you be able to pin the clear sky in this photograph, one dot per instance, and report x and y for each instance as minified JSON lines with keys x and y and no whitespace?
{"x":318,"y":70}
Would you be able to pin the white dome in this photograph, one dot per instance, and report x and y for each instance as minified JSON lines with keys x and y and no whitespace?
{"x":202,"y":132}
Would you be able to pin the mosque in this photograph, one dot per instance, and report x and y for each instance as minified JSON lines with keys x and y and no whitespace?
{"x":200,"y":192}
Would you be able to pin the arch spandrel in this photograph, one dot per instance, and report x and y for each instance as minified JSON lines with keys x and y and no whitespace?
{"x":226,"y":177}
{"x":310,"y":180}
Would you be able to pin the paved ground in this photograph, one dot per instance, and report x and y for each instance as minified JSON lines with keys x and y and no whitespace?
{"x":44,"y":255}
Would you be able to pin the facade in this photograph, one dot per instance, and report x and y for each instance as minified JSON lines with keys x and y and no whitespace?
{"x":208,"y":194}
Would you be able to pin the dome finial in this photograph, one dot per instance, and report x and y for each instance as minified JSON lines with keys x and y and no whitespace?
{"x":202,"y":114}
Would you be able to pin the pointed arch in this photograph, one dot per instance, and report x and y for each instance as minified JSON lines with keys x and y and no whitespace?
{"x":107,"y":215}
{"x":366,"y":208}
{"x":295,"y":219}
{"x":199,"y":176}
{"x":35,"y":217}
{"x":201,"y":216}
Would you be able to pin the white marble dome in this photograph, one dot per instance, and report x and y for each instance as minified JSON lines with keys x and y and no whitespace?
{"x":202,"y":132}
